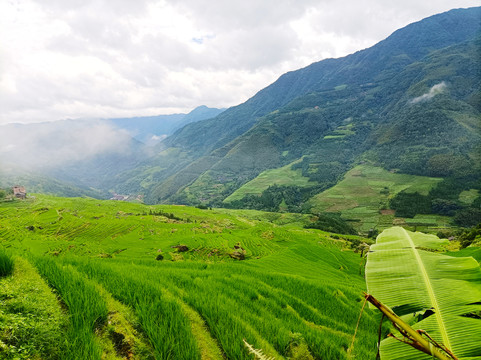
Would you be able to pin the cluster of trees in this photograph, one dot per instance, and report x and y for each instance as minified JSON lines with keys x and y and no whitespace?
{"x":4,"y":192}
{"x":278,"y":198}
{"x":332,"y":222}
{"x":469,"y":236}
{"x":165,"y":214}
{"x":442,"y":200}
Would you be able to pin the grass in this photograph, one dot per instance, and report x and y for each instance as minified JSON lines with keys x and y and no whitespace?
{"x":199,"y":304}
{"x":32,"y":322}
{"x":120,"y":337}
{"x":365,"y":191}
{"x":87,"y":309}
{"x":281,"y":176}
{"x":252,"y":301}
{"x":468,"y":196}
{"x":6,"y":263}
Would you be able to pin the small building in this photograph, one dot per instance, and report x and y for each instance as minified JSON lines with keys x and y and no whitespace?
{"x":19,"y":192}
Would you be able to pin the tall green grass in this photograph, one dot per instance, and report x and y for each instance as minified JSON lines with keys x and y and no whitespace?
{"x":32,"y":323}
{"x":160,"y":315}
{"x":263,"y":303}
{"x":86,"y":307}
{"x":293,"y":281}
{"x":6,"y":263}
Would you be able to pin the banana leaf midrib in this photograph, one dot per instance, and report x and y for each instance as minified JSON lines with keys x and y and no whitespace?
{"x":429,"y":288}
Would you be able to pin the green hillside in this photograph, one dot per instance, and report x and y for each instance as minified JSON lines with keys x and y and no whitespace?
{"x":151,"y":273}
{"x":284,"y":176}
{"x":409,"y":104}
{"x":96,"y":279}
{"x":364,"y":193}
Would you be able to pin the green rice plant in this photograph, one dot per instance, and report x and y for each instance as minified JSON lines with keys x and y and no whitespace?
{"x":293,"y":280}
{"x":32,"y":323}
{"x":438,"y":293}
{"x":6,"y":263}
{"x":87,"y":309}
{"x":238,"y":300}
{"x":160,"y":316}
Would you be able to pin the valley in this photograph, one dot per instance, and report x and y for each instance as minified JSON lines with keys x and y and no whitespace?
{"x":260,"y":231}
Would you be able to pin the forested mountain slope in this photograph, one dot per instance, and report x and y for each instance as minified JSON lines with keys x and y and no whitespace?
{"x":411,"y":103}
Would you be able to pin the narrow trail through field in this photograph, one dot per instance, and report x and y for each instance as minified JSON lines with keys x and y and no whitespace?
{"x":432,"y":296}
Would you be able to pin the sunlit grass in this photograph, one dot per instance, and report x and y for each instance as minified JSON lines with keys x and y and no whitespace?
{"x":203,"y":304}
{"x":87,"y":309}
{"x":6,"y":263}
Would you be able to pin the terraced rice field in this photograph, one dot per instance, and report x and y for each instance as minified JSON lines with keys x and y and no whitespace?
{"x":297,"y":292}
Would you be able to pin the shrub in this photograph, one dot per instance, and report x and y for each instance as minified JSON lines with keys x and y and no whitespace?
{"x":332,"y":222}
{"x":6,"y":263}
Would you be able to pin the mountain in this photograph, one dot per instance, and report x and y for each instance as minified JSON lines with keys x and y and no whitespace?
{"x":81,"y":157}
{"x":151,"y":129}
{"x":402,"y":116}
{"x":409,"y":104}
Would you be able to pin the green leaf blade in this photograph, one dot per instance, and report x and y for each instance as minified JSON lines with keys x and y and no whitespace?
{"x":404,"y":276}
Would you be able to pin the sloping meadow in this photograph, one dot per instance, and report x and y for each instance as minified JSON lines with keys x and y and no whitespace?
{"x":297,"y":294}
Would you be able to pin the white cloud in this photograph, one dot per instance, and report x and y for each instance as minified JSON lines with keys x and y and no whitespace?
{"x":46,"y":145}
{"x":435,"y":90}
{"x":115,"y":58}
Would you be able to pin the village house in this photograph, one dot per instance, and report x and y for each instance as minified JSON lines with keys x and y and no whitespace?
{"x":19,"y":192}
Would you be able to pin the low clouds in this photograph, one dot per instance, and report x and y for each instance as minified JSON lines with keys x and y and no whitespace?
{"x":52,"y":145}
{"x":435,"y":90}
{"x":116,"y":58}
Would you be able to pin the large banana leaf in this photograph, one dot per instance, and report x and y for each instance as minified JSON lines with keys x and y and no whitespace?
{"x":443,"y":292}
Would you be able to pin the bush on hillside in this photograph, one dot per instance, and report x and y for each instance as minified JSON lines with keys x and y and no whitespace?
{"x":6,"y":263}
{"x":332,"y":222}
{"x":410,"y":204}
{"x":468,"y":217}
{"x":470,"y":235}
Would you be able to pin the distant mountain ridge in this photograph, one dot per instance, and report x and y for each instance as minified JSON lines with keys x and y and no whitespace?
{"x":410,"y":104}
{"x":148,"y":128}
{"x":336,"y":112}
{"x":83,"y":155}
{"x":403,"y":47}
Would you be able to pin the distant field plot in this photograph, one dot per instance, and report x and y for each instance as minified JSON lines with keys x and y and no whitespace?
{"x":281,"y":176}
{"x":365,"y":191}
{"x":468,"y":196}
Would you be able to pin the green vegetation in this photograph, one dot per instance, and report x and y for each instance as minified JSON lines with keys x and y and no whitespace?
{"x":32,"y":323}
{"x":471,"y":236}
{"x":6,"y":263}
{"x":311,"y":114}
{"x":468,"y":196}
{"x":363,"y":196}
{"x":405,"y":273}
{"x":447,"y":199}
{"x":298,"y":291}
{"x":332,"y":222}
{"x":283,"y":176}
{"x":175,"y":282}
{"x":278,"y":198}
{"x":88,"y":311}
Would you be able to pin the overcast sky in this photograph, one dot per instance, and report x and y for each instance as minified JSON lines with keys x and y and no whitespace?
{"x":110,"y":58}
